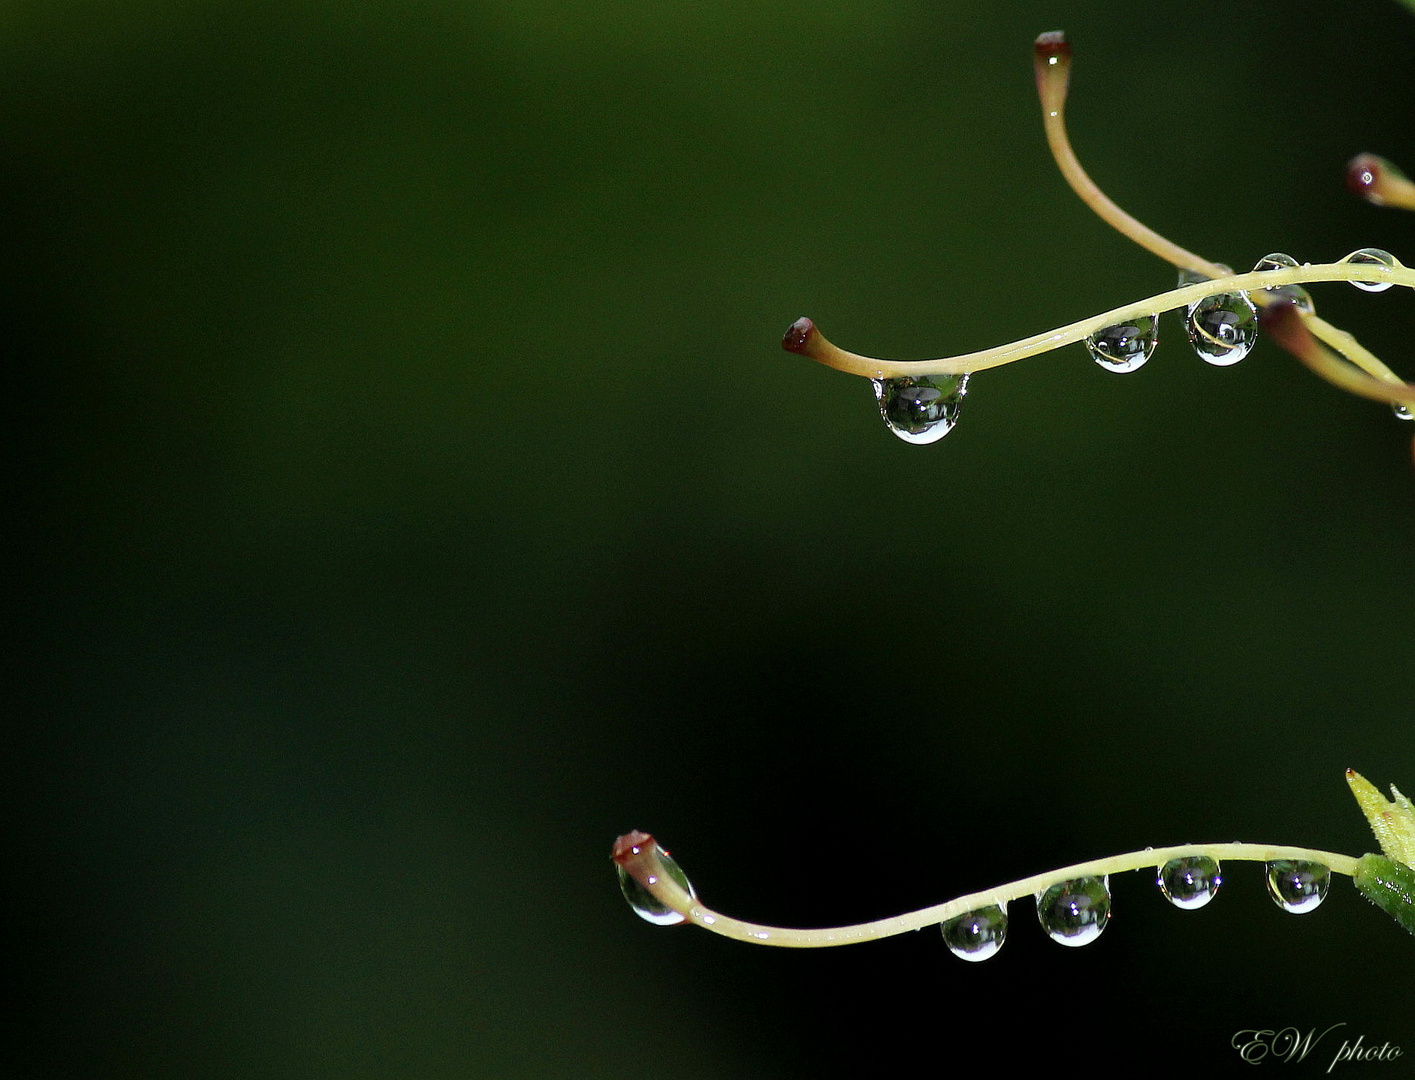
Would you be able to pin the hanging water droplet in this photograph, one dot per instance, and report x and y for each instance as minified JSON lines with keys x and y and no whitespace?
{"x":921,"y":409}
{"x":1298,"y":295}
{"x":1126,"y":346}
{"x":1376,"y":257}
{"x":1402,"y":411}
{"x":976,"y":935}
{"x":1075,"y":912}
{"x":1298,"y":886}
{"x":1189,"y":882}
{"x":644,"y":903}
{"x":1222,"y":328}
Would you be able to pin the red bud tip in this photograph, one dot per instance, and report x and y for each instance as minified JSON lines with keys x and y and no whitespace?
{"x":798,"y":336}
{"x":1363,"y":173}
{"x":1051,"y":64}
{"x":1052,"y":44}
{"x":1283,"y":322}
{"x":629,"y":845}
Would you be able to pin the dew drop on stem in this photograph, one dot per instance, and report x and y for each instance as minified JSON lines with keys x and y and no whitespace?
{"x":1222,"y":328}
{"x":976,"y":935}
{"x":1075,"y":912}
{"x":1297,"y":886}
{"x":921,"y":409}
{"x":1189,"y":882}
{"x":645,"y":849}
{"x":1125,"y":347}
{"x":1298,"y":295}
{"x":1374,"y":257}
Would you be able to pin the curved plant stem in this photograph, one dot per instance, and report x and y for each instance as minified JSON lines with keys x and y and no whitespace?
{"x":1355,"y":369}
{"x":1052,"y":64}
{"x":1375,"y":379}
{"x":645,"y":867}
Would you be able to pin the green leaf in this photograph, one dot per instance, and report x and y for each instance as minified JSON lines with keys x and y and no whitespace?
{"x":1389,"y":885}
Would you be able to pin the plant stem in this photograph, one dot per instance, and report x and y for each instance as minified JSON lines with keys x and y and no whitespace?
{"x":669,"y":893}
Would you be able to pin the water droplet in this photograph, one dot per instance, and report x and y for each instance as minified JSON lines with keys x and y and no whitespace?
{"x":1298,"y":886}
{"x":1298,"y":295}
{"x":1376,"y":257}
{"x":1402,"y":411}
{"x":644,"y":903}
{"x":977,"y":935}
{"x":1075,"y":912}
{"x":1222,"y":328}
{"x":921,"y":409}
{"x":1193,"y":277}
{"x":1189,"y":882}
{"x":1126,"y":346}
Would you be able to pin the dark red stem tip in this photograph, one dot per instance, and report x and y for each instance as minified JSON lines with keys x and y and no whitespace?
{"x":629,"y":845}
{"x":1363,"y":173}
{"x":1052,"y":43}
{"x":798,"y":336}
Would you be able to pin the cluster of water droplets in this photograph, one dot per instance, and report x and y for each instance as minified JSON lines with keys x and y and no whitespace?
{"x":1073,"y":912}
{"x":1077,"y":911}
{"x":921,"y":409}
{"x":1222,"y":329}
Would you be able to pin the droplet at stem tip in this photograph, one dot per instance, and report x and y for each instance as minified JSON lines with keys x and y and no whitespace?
{"x":1051,"y":59}
{"x":800,"y":336}
{"x":629,"y":845}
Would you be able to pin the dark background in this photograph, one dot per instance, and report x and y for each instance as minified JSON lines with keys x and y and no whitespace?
{"x":411,"y":495}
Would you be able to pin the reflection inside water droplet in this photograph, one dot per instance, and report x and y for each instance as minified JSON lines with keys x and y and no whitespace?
{"x":1189,"y":882}
{"x":1403,"y":412}
{"x":1296,"y":293}
{"x":1075,"y":912}
{"x":1222,"y":328}
{"x":644,"y":903}
{"x":1375,"y":257}
{"x":921,"y":409}
{"x":977,"y":935}
{"x":1298,"y":886}
{"x":1125,"y":347}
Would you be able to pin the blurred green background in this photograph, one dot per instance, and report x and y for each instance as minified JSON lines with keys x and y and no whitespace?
{"x":411,"y":495}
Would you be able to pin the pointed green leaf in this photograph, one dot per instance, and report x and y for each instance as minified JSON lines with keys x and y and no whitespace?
{"x":1392,"y":820}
